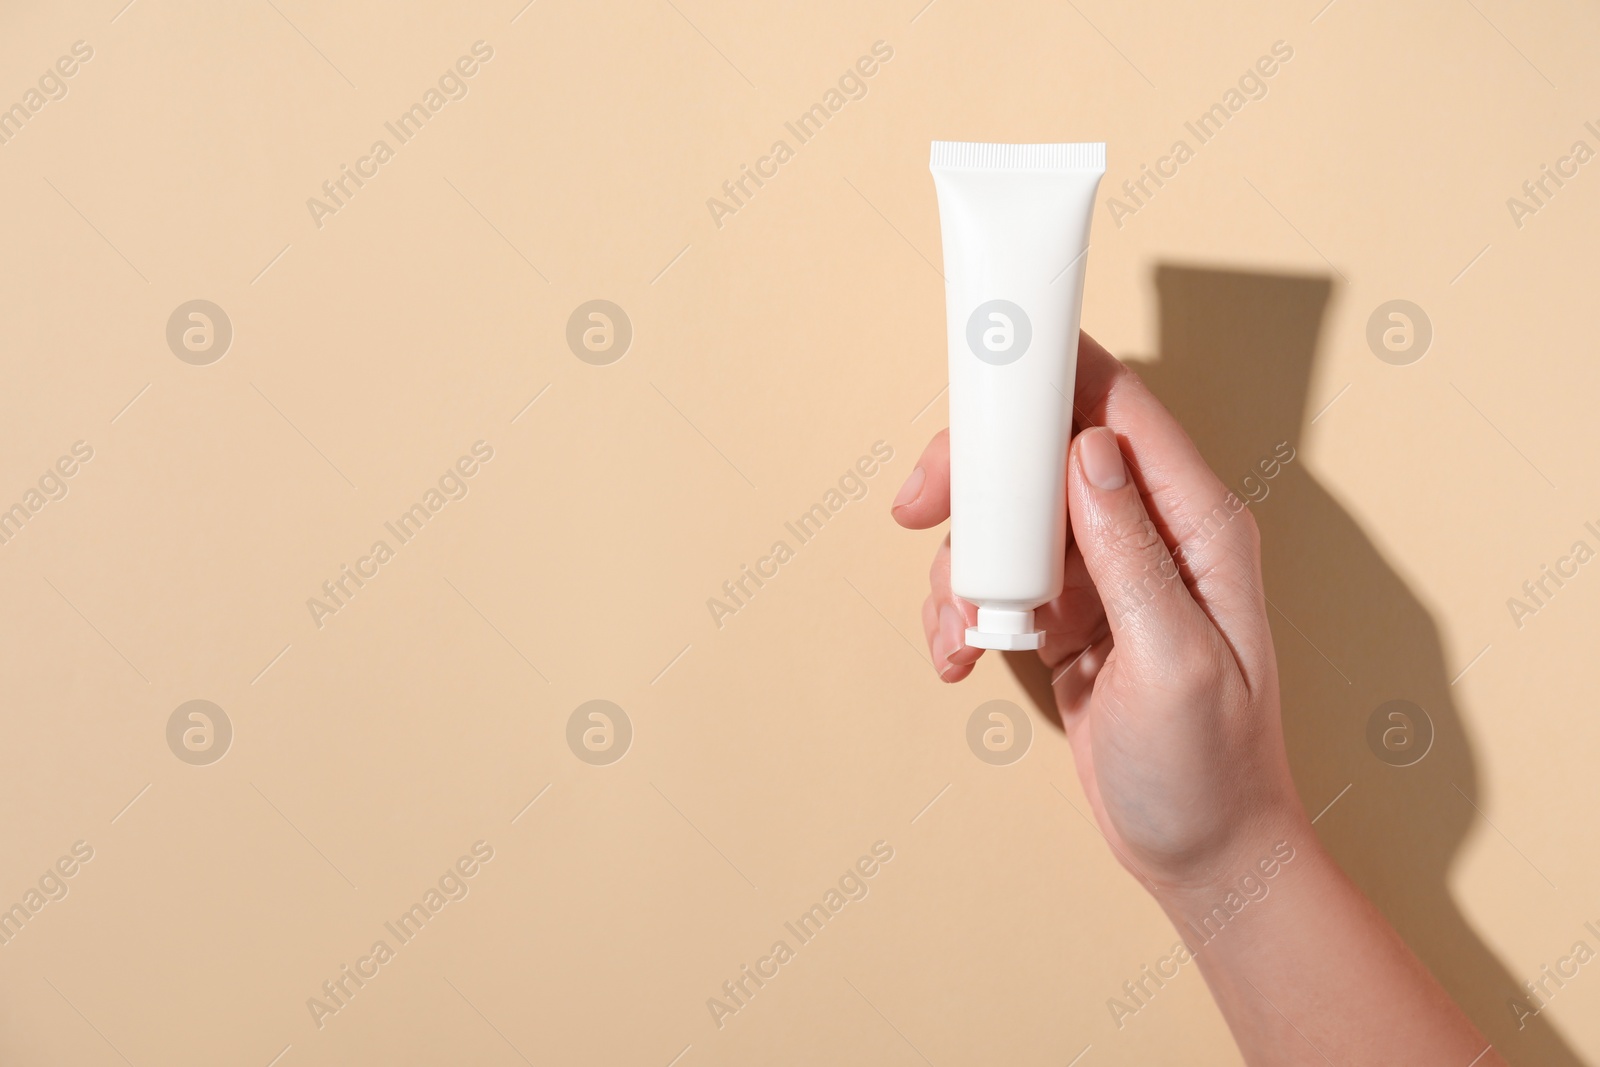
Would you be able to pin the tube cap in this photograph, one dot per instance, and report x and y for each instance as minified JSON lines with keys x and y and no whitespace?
{"x":1009,"y":631}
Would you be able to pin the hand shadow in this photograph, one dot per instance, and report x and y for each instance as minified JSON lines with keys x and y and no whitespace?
{"x":1234,"y":367}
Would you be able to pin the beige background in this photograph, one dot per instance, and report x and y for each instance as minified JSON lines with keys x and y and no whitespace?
{"x":768,"y":355}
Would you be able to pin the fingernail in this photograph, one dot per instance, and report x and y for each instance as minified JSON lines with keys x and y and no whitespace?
{"x":911,"y":489}
{"x":1102,"y":459}
{"x":952,"y":633}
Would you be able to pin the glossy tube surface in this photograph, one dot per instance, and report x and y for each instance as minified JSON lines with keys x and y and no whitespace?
{"x":1015,"y":224}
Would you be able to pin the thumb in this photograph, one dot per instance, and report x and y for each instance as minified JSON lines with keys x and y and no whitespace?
{"x":1151,"y":613}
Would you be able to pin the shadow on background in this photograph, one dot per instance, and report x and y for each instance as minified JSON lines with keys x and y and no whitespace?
{"x":1234,"y":366}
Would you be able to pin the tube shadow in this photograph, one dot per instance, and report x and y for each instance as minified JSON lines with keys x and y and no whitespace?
{"x":1235,"y":361}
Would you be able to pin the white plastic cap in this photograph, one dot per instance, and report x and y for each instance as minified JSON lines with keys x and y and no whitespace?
{"x":1009,"y":631}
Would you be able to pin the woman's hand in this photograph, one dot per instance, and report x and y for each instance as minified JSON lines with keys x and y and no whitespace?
{"x":1158,"y":646}
{"x":1162,"y":665}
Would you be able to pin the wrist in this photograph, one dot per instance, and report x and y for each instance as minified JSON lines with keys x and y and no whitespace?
{"x":1274,"y":848}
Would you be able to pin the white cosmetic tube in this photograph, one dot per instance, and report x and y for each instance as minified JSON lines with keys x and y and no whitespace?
{"x":1015,"y":223}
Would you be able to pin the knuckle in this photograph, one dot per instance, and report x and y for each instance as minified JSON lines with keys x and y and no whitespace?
{"x":1249,"y":531}
{"x":1136,"y":539}
{"x":1143,"y":570}
{"x":1243,"y":547}
{"x":1226,"y":536}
